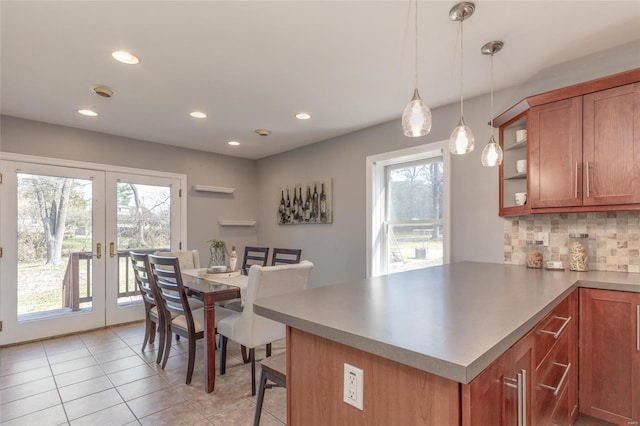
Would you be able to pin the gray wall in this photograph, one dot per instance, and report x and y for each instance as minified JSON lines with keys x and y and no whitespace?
{"x":203,"y":209}
{"x":338,"y":250}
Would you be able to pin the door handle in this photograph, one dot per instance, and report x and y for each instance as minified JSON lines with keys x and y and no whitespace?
{"x":99,"y":250}
{"x":588,"y":187}
{"x":112,"y":249}
{"x":638,"y":328}
{"x":520,"y":384}
{"x":575,"y":185}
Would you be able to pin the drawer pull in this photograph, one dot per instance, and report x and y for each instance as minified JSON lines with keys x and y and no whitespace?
{"x":557,"y":334}
{"x":556,"y":390}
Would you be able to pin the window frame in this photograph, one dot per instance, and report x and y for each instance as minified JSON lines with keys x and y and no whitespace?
{"x":377,"y":200}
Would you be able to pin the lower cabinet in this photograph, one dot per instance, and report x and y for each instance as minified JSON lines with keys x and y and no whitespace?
{"x":610,"y":355}
{"x":535,"y":381}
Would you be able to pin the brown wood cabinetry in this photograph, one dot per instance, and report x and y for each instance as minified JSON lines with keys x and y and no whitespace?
{"x":583,"y":148}
{"x":535,"y":381}
{"x":555,"y":140}
{"x":611,"y":146}
{"x":610,"y":355}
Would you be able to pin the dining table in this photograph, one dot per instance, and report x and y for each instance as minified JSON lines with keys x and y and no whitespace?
{"x":211,"y":288}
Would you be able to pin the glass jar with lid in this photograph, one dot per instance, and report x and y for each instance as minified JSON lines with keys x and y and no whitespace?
{"x":579,"y":252}
{"x":535,"y":254}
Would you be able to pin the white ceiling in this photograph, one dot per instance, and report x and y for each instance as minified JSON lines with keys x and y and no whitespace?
{"x":254,"y":65}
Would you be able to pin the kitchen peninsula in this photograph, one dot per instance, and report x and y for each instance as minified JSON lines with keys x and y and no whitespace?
{"x":422,"y":337}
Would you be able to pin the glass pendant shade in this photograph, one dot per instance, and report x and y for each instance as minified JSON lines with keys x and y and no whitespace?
{"x":416,"y":117}
{"x":461,"y":140}
{"x":492,"y":154}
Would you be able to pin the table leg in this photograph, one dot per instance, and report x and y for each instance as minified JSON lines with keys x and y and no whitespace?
{"x":209,"y":343}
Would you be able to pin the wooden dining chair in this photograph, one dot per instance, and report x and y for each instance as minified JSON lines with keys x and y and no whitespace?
{"x":154,"y":317}
{"x":282,"y":256}
{"x":251,"y":330}
{"x":180,"y":318}
{"x":254,"y":256}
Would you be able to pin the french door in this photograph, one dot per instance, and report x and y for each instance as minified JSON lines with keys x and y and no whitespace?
{"x":66,"y":233}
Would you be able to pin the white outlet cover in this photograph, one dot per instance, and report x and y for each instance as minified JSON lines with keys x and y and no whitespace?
{"x":353,"y":388}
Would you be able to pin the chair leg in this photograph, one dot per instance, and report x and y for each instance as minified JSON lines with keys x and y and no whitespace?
{"x":268,"y":350}
{"x":192,"y":358}
{"x":252,"y":357}
{"x":263,"y":385}
{"x":146,"y":334}
{"x":223,"y":354}
{"x":243,"y":351}
{"x":162,"y":335}
{"x":167,"y":345}
{"x":152,"y":332}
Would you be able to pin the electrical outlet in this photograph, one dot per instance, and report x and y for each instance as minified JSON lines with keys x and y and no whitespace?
{"x":353,"y":386}
{"x":544,"y":237}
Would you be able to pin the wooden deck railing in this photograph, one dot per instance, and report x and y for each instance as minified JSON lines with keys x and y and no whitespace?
{"x":76,"y":287}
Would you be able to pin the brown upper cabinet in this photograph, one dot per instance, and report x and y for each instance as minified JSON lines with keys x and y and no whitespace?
{"x":582,"y":148}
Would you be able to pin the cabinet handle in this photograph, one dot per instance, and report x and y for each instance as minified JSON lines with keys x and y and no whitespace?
{"x":522,"y":398}
{"x":588,"y":189}
{"x":575,"y":185}
{"x":520,"y":384}
{"x":99,"y":250}
{"x":557,"y":334}
{"x":556,"y":390}
{"x":638,"y":328}
{"x":112,"y":251}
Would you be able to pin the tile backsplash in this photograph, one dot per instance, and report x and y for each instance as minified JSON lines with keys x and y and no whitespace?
{"x":614,"y":238}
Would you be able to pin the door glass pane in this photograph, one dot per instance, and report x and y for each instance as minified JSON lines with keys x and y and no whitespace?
{"x":143,"y":225}
{"x":414,"y":215}
{"x":55,"y":223}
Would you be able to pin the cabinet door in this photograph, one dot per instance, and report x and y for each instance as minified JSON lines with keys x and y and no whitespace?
{"x":483,"y":399}
{"x":518,"y":404}
{"x":610,"y":355}
{"x":611,"y":154}
{"x":555,"y":152}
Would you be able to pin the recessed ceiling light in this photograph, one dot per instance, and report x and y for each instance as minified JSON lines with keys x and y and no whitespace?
{"x":87,"y":112}
{"x":303,"y":116}
{"x":234,"y":143}
{"x":198,"y":114}
{"x":125,"y":57}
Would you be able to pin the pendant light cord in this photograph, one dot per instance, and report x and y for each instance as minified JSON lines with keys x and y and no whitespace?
{"x":491,"y":94}
{"x":461,"y":67}
{"x":415,"y":75}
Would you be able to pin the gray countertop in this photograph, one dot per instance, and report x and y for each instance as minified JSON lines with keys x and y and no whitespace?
{"x":452,"y":320}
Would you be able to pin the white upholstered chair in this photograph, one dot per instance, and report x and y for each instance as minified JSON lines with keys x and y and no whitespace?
{"x":252,"y":330}
{"x":189,"y":259}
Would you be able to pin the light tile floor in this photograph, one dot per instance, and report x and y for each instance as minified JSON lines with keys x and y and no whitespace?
{"x":103,"y":378}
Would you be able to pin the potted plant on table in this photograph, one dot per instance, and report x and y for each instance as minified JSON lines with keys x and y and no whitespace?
{"x":218,"y":249}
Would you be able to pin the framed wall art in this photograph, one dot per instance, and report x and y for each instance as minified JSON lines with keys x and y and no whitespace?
{"x":302,"y":203}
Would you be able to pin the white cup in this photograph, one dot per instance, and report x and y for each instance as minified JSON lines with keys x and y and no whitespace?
{"x":521,"y":166}
{"x":521,"y":198}
{"x":521,"y":135}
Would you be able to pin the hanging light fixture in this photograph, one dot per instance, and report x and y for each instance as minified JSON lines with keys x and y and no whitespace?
{"x":416,"y":117}
{"x":492,"y":153}
{"x":461,"y":140}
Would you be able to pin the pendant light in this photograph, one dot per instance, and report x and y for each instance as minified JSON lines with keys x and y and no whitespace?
{"x":461,"y":140}
{"x":492,"y":153}
{"x":416,"y":117}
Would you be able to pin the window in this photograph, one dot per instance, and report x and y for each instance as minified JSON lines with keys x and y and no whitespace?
{"x":407,"y":203}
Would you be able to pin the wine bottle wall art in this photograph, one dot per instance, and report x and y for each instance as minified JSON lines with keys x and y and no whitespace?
{"x":309,"y":202}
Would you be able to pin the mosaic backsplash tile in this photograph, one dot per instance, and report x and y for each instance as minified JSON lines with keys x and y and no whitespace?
{"x":614,"y":238}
